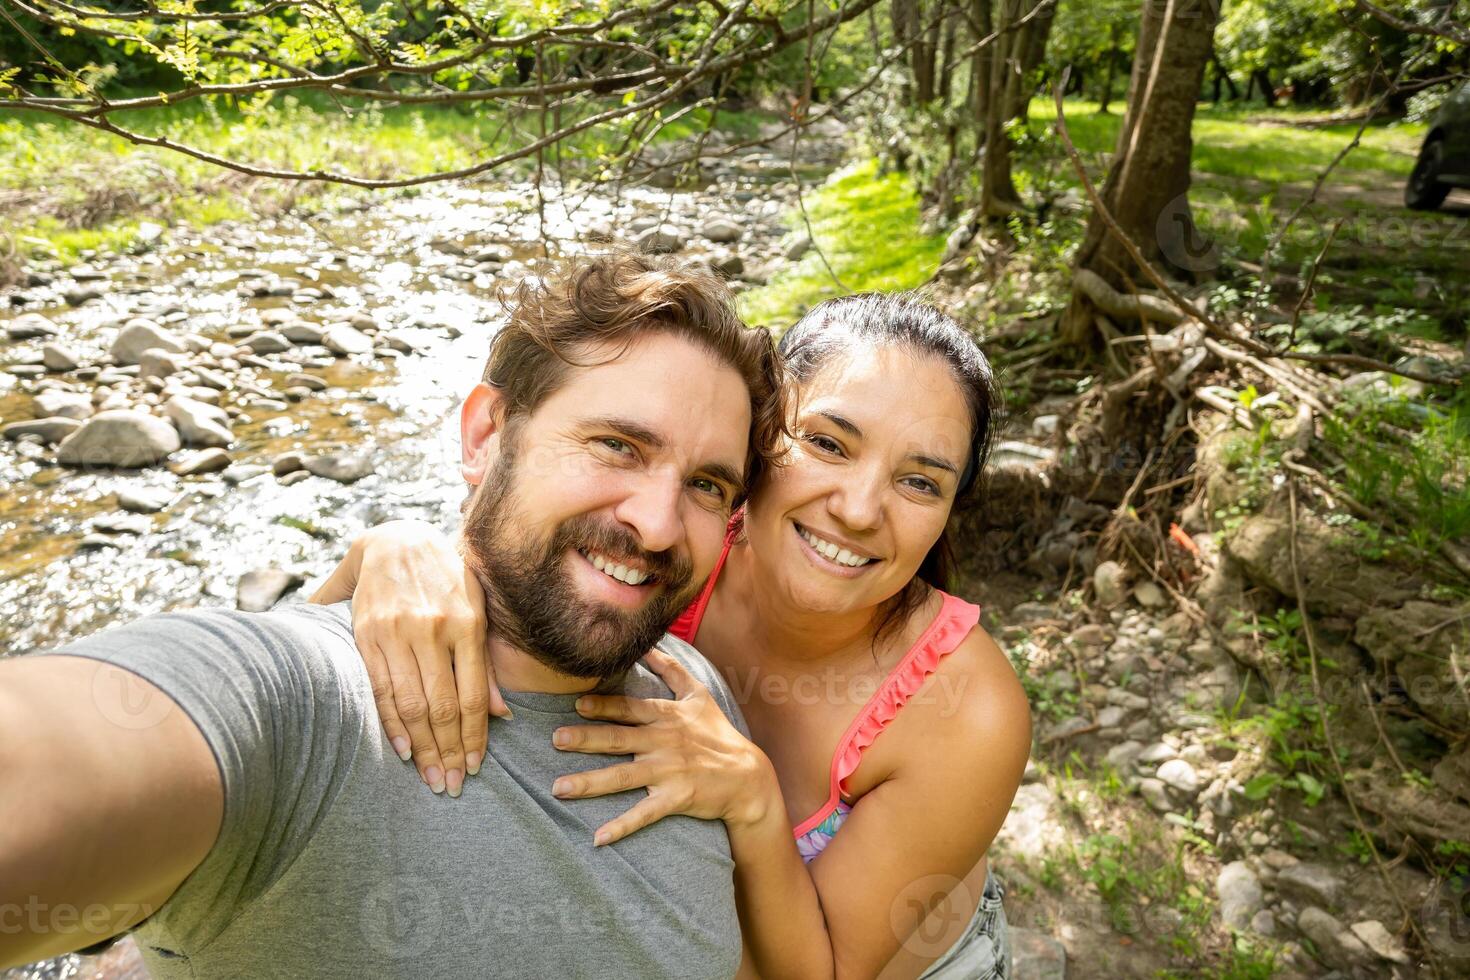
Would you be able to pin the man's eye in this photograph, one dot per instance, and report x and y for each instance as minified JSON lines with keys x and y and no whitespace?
{"x":706,"y":486}
{"x":617,"y":445}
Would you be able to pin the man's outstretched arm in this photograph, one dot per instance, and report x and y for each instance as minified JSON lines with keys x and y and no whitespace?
{"x":109,"y":799}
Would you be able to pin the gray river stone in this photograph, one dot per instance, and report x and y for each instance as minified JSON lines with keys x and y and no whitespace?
{"x":267,"y":342}
{"x":201,"y":462}
{"x":345,"y":339}
{"x":122,"y":524}
{"x":118,"y":438}
{"x":51,"y":430}
{"x":262,"y":588}
{"x":1310,"y":884}
{"x":199,"y":424}
{"x":721,"y":230}
{"x":58,"y":358}
{"x":660,"y":240}
{"x":63,"y":404}
{"x":342,"y":467}
{"x":159,"y":363}
{"x":1240,"y":894}
{"x":29,"y":326}
{"x":143,"y":500}
{"x":139,"y":335}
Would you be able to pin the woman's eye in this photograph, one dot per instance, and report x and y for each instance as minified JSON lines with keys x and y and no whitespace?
{"x":924,"y":485}
{"x":825,"y":443}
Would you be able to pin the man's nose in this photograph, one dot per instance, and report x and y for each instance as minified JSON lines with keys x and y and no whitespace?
{"x":651,"y":511}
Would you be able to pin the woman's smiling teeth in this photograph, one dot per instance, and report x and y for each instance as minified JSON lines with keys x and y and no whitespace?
{"x":624,"y":574}
{"x":832,"y":551}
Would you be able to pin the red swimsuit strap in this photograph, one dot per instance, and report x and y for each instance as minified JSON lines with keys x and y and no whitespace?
{"x":686,"y":627}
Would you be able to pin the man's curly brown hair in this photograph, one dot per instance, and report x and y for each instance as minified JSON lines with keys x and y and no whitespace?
{"x":587,"y":303}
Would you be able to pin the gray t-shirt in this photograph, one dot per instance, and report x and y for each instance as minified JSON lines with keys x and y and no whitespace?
{"x":336,"y":861}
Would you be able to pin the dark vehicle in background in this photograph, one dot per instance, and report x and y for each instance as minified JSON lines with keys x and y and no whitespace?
{"x":1444,"y":160}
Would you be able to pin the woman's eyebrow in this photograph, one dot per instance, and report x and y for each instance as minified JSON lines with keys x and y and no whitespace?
{"x":842,"y":422}
{"x":935,"y":462}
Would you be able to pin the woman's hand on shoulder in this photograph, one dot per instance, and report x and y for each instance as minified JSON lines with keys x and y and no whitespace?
{"x":686,"y":752}
{"x":418,"y":616}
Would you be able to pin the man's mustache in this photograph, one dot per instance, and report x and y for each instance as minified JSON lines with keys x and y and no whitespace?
{"x":671,"y":568}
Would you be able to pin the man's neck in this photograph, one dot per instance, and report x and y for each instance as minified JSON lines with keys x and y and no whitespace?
{"x":517,"y":670}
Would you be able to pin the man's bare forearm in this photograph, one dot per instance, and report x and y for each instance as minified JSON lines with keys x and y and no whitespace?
{"x":109,"y":798}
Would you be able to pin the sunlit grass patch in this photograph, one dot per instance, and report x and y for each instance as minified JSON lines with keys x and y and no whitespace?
{"x":867,"y":224}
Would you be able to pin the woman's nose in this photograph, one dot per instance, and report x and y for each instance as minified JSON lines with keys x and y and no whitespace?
{"x":858,"y":501}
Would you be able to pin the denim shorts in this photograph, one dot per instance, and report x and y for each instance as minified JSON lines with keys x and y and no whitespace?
{"x":984,"y":951}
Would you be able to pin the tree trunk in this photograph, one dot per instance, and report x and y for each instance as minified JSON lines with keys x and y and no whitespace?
{"x":980,"y":13}
{"x":1107,"y":86}
{"x":1147,"y":187}
{"x":1262,"y":80}
{"x":904,"y":15}
{"x":1222,"y":74}
{"x":923,"y":51}
{"x":946,"y":55}
{"x":998,"y":197}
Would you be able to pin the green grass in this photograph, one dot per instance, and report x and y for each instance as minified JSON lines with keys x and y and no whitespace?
{"x":1258,"y":144}
{"x":867,"y":224}
{"x":66,"y":189}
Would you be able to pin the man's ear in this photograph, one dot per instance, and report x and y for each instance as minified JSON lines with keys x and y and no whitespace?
{"x":481,"y":421}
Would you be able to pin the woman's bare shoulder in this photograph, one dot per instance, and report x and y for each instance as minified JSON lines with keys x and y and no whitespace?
{"x":977,"y":699}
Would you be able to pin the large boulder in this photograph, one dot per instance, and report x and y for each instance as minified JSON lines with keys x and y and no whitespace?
{"x":199,"y":423}
{"x":1335,"y":579}
{"x":118,"y":438}
{"x":1428,"y":646}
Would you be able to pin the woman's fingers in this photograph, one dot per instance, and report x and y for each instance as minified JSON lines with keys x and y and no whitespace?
{"x":674,"y":674}
{"x":616,"y":707}
{"x":472,"y":682}
{"x":442,"y":699}
{"x":382,"y":683}
{"x":413,"y":710}
{"x":602,"y":782}
{"x":605,"y":739}
{"x":648,"y":810}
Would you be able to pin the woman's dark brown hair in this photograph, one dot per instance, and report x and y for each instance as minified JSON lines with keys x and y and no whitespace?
{"x":837,"y":325}
{"x":570,"y":319}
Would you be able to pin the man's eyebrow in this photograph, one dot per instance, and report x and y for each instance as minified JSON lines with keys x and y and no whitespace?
{"x":726,"y":474}
{"x":842,"y":422}
{"x":636,"y":431}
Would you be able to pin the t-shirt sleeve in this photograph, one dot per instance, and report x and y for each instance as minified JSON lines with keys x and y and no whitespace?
{"x":279,"y":700}
{"x":706,"y":674}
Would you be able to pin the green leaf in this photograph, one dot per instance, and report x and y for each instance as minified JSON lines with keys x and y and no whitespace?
{"x":1259,"y":787}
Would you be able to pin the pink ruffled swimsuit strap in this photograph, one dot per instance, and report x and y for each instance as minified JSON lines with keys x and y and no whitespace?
{"x":954,"y":622}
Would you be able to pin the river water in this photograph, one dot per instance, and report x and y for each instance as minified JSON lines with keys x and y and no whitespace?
{"x":410,"y":263}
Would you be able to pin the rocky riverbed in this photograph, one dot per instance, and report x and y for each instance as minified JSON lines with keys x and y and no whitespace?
{"x":210,"y":421}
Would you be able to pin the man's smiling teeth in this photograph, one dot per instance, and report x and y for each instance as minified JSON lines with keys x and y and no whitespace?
{"x":829,"y":550}
{"x":624,"y":574}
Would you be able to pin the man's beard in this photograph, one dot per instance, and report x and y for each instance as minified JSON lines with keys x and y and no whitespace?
{"x":532,"y":602}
